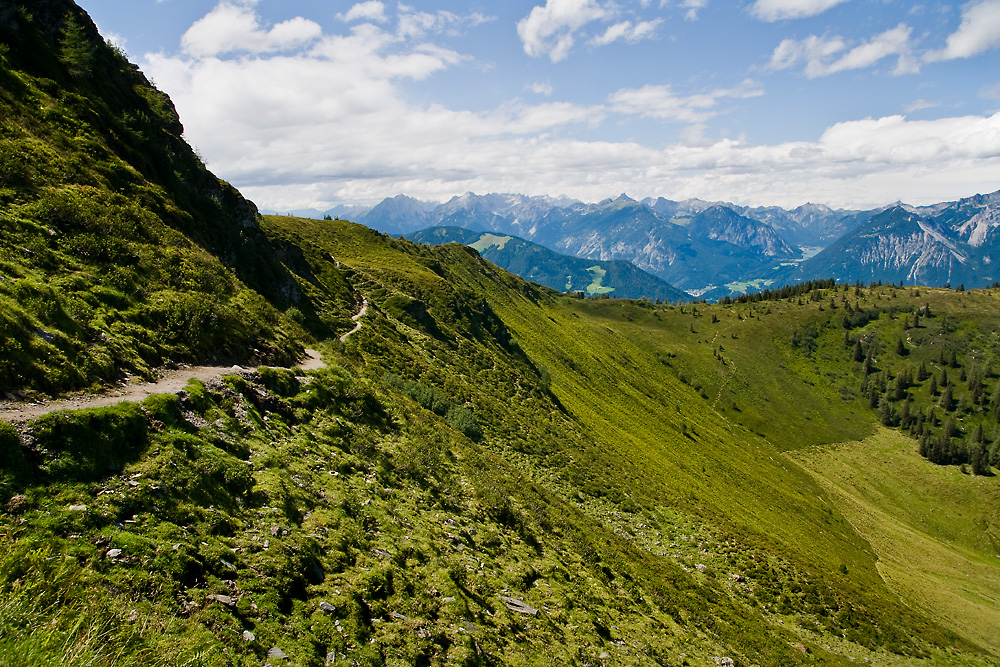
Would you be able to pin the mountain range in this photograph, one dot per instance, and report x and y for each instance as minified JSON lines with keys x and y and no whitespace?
{"x":714,"y":249}
{"x":480,"y":471}
{"x":559,"y":272}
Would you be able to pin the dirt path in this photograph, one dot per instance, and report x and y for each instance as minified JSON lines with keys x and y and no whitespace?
{"x":171,"y":382}
{"x":357,"y":320}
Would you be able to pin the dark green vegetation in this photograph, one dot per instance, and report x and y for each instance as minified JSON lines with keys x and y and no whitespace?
{"x":560,"y":272}
{"x":119,"y":250}
{"x":488,"y":472}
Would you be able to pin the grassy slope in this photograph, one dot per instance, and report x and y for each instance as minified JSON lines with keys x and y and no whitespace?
{"x":619,"y":498}
{"x":929,"y":526}
{"x":644,"y":414}
{"x":118,"y":249}
{"x":478,"y":438}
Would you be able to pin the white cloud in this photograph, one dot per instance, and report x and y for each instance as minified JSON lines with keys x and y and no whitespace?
{"x":818,"y":53}
{"x":775,"y":10}
{"x":661,"y":102}
{"x":415,"y":24}
{"x":551,"y":29}
{"x":541,"y":88}
{"x":979,"y":31}
{"x":371,"y":10}
{"x":920,"y":105}
{"x":330,"y":122}
{"x":628,"y":32}
{"x":692,"y":7}
{"x":236,"y":28}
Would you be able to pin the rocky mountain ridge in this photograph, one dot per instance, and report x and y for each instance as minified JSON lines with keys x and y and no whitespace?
{"x":949,"y":244}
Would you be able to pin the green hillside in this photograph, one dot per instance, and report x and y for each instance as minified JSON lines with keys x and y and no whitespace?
{"x":120,"y":252}
{"x":564,"y":273}
{"x":487,"y":472}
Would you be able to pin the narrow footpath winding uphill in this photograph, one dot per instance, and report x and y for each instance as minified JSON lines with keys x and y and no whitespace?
{"x":171,"y":382}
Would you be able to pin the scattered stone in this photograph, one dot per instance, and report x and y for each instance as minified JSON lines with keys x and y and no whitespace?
{"x":226,"y":564}
{"x":447,"y":598}
{"x":801,"y":647}
{"x":114,"y":554}
{"x":397,"y":616}
{"x":604,"y":655}
{"x":16,"y":505}
{"x":725,"y":662}
{"x":327,"y":607}
{"x":701,"y":567}
{"x":248,"y":636}
{"x":275,"y":531}
{"x":75,"y":508}
{"x":381,"y":553}
{"x":517,"y":605}
{"x":468,"y":627}
{"x":221,"y":599}
{"x":275,"y":652}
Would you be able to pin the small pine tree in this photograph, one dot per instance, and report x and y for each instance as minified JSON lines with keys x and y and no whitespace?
{"x":922,"y":373}
{"x":76,"y":50}
{"x":979,"y":458}
{"x":947,"y":402}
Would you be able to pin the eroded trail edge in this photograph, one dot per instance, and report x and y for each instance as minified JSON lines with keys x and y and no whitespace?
{"x":171,"y":382}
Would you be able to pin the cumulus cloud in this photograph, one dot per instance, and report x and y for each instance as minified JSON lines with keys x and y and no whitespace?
{"x":824,"y":56}
{"x":628,"y":32}
{"x":233,"y":28}
{"x":662,"y":103}
{"x":550,"y":30}
{"x":775,"y":10}
{"x":330,"y":122}
{"x":371,"y":10}
{"x":979,"y":31}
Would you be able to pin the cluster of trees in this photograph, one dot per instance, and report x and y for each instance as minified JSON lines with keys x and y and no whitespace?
{"x":786,"y":292}
{"x":930,"y":401}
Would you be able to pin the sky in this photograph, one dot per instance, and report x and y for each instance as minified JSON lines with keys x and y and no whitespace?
{"x":315,"y":103}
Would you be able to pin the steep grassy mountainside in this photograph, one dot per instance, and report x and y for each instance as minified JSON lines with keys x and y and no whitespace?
{"x":486,"y":472}
{"x":559,"y":272}
{"x":119,"y":251}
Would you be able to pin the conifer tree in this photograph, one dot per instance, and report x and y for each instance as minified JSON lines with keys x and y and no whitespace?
{"x":947,"y":402}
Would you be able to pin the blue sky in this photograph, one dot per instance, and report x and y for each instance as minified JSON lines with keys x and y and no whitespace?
{"x":309,"y":104}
